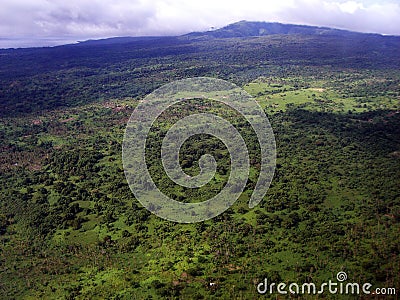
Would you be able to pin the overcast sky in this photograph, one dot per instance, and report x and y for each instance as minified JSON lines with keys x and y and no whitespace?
{"x":50,"y":22}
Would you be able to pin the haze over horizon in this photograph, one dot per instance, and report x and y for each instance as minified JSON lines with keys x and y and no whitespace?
{"x":27,"y":23}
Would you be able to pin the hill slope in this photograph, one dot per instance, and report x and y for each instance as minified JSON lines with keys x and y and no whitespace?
{"x":82,"y":73}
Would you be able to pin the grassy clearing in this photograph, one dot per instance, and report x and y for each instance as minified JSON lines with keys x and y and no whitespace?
{"x":276,"y":98}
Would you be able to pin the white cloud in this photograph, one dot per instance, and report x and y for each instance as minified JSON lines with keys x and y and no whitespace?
{"x":350,"y":6}
{"x":83,"y":19}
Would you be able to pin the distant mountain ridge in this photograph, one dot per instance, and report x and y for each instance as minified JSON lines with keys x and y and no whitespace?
{"x":243,"y":50}
{"x":249,"y":29}
{"x":241,"y":29}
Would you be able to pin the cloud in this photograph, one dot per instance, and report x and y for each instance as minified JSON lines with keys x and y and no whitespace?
{"x":47,"y":21}
{"x":377,"y":17}
{"x":350,"y":6}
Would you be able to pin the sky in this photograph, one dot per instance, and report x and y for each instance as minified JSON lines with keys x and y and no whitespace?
{"x":26,"y":23}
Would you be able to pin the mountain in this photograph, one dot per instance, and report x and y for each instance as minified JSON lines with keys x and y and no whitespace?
{"x":250,"y":29}
{"x":241,"y":29}
{"x":244,"y":49}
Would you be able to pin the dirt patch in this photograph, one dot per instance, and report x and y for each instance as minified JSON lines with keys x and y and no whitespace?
{"x":232,"y":267}
{"x":67,"y":120}
{"x":37,"y":122}
{"x":317,"y":89}
{"x":114,"y":106}
{"x":32,"y":160}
